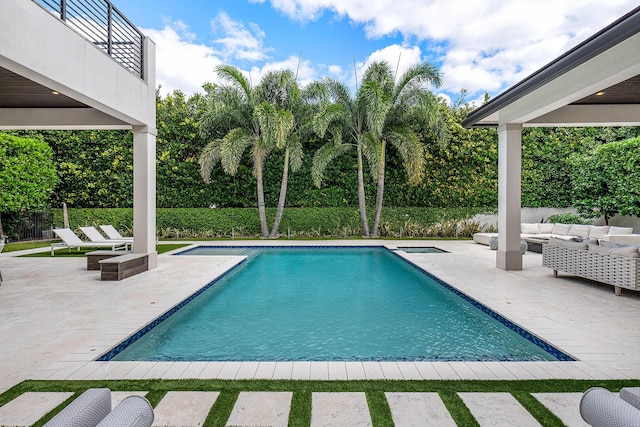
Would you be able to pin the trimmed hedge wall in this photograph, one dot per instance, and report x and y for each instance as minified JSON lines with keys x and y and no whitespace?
{"x":302,"y":222}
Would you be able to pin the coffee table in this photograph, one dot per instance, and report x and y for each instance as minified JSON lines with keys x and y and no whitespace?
{"x":535,"y":244}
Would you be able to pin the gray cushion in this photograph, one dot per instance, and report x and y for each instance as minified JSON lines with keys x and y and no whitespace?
{"x":87,"y":410}
{"x":627,"y":251}
{"x":567,"y":244}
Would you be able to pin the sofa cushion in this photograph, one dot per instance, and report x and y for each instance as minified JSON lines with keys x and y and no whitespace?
{"x":530,"y":228}
{"x":620,"y":230}
{"x":597,"y":231}
{"x":567,"y":244}
{"x":579,"y":230}
{"x":561,"y":229}
{"x":546,"y":227}
{"x":626,"y":251}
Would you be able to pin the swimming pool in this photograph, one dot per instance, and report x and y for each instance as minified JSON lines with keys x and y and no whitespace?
{"x":331,"y":304}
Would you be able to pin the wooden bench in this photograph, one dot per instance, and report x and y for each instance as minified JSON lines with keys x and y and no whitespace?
{"x":123,"y":266}
{"x":93,"y":258}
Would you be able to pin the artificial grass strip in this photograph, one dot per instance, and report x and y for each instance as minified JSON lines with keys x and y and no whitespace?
{"x":379,"y":409}
{"x":457,"y":409}
{"x":221,"y":409}
{"x":300,"y":412}
{"x":540,"y":412}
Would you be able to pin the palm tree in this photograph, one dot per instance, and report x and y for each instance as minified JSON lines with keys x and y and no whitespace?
{"x":341,"y":117}
{"x":382,"y":112}
{"x":254,"y":122}
{"x":398,"y":110}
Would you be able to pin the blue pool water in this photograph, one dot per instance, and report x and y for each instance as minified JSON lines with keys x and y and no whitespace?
{"x":331,"y":304}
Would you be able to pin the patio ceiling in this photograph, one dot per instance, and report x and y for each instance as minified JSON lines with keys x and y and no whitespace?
{"x":597,"y":83}
{"x":19,"y":92}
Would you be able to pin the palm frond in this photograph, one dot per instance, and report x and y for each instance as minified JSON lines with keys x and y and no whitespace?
{"x":296,"y":154}
{"x":208,"y":158}
{"x":411,"y":152}
{"x":232,"y":148}
{"x":376,"y":104}
{"x":275,"y":124}
{"x":234,"y":76}
{"x":323,"y":156}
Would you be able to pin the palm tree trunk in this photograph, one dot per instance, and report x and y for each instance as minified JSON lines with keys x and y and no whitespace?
{"x":283,"y":195}
{"x":380,"y":192}
{"x":261,"y":210}
{"x":361,"y":199}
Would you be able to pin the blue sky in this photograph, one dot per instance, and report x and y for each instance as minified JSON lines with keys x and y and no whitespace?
{"x":481,"y":46}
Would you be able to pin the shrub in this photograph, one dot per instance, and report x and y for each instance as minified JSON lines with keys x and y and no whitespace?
{"x":567,"y":218}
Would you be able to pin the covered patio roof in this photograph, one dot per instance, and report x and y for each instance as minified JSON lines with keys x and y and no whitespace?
{"x":597,"y":83}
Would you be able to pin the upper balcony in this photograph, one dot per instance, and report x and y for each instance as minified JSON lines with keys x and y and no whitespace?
{"x":103,"y":25}
{"x":73,"y":64}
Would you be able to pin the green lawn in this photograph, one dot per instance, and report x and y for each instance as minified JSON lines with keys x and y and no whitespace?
{"x":300,"y":414}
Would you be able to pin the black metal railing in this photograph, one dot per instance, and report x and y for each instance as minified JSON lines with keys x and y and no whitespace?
{"x":104,"y":26}
{"x":36,"y":226}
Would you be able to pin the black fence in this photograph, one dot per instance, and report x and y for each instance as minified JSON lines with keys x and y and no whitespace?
{"x":35,"y":227}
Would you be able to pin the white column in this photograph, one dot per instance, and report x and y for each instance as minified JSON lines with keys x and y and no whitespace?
{"x":509,"y":256}
{"x":144,"y":192}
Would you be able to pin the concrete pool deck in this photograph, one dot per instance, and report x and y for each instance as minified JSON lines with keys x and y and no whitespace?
{"x":57,"y":317}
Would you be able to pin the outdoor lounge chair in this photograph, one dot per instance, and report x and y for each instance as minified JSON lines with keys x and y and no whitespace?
{"x":93,"y":408}
{"x":70,"y":240}
{"x":95,"y":236}
{"x":113,"y":234}
{"x":601,"y":408}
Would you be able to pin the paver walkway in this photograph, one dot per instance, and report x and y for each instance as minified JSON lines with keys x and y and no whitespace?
{"x":185,"y":408}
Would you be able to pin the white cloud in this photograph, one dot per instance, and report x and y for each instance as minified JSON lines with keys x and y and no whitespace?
{"x":239,"y":41}
{"x":489,"y":44}
{"x":180,"y":63}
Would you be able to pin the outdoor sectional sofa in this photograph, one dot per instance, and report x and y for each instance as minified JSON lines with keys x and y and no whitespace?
{"x":611,"y":263}
{"x":569,"y":231}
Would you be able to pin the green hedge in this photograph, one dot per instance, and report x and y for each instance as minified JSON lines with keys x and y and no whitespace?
{"x":244,"y":222}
